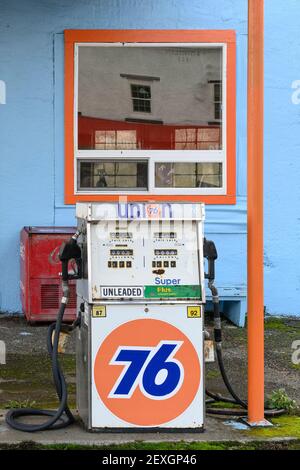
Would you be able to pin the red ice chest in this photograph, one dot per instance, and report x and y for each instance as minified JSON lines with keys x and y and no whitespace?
{"x":40,"y":267}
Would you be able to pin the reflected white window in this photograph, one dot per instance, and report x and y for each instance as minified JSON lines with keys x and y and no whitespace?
{"x":115,"y":140}
{"x":198,"y":139}
{"x":141,"y":98}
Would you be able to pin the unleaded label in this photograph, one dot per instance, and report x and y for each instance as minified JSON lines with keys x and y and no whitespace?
{"x":122,"y":291}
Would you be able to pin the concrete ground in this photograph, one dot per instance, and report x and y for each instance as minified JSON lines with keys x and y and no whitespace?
{"x":216,"y":430}
{"x":25,"y":380}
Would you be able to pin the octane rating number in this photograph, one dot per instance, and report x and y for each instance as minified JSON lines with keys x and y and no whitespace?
{"x":153,"y":369}
{"x":171,"y":459}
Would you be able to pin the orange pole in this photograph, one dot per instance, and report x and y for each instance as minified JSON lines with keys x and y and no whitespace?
{"x":255,"y":212}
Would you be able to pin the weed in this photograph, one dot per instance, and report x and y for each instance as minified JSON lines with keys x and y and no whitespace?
{"x":279,"y":399}
{"x":20,"y":404}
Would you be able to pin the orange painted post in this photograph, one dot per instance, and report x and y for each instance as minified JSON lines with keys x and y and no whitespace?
{"x":255,"y":212}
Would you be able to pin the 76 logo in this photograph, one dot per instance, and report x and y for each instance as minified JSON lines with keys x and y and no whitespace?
{"x":153,"y":369}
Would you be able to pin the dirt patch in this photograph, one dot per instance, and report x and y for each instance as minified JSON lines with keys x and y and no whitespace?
{"x":29,"y":377}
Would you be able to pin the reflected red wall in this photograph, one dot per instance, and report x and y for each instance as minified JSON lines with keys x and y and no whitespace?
{"x":149,"y":136}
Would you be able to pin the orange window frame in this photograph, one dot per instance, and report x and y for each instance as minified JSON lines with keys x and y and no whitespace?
{"x":227,"y":37}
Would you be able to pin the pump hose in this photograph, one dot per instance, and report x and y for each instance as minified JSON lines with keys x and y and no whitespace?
{"x":62,"y":417}
{"x":217,"y":397}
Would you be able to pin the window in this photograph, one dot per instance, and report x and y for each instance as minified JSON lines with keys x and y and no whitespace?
{"x":114,"y":140}
{"x":112,"y":175}
{"x":150,"y":115}
{"x":201,"y":138}
{"x":218,"y":100}
{"x":188,"y":175}
{"x":141,"y":98}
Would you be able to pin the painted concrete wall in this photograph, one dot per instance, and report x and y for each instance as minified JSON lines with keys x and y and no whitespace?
{"x":31,"y":128}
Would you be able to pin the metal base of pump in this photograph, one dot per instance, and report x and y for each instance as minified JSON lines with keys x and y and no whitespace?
{"x":147,"y":430}
{"x":259,"y":424}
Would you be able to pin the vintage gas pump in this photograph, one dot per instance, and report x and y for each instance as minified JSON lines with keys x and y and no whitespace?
{"x":140,"y":343}
{"x":140,"y":326}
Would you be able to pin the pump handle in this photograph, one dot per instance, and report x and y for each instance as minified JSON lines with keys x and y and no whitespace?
{"x":70,"y":250}
{"x":211,"y":254}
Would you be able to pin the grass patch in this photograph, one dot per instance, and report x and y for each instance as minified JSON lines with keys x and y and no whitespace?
{"x":275,"y":323}
{"x":223,"y":404}
{"x":212,"y":374}
{"x":161,"y":446}
{"x":20,"y":404}
{"x":283,"y":426}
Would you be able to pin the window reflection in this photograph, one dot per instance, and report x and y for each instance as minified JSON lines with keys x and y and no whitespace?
{"x":198,"y":139}
{"x":156,"y":98}
{"x":141,"y":98}
{"x":188,"y":175}
{"x":115,"y":140}
{"x":112,"y":175}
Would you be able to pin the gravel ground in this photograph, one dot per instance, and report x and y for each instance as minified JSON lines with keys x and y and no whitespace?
{"x":27,"y":372}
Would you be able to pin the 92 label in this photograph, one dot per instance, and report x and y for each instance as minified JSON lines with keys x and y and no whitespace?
{"x":153,"y":369}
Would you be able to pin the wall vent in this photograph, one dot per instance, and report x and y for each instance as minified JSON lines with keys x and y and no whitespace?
{"x":49,"y":296}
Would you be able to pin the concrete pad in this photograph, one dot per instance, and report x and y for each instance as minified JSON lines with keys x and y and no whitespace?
{"x":216,"y":430}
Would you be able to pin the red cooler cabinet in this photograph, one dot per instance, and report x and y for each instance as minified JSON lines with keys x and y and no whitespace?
{"x":40,"y":267}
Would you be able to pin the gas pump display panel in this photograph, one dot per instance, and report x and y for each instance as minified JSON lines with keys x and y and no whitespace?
{"x":142,"y":256}
{"x":141,"y":260}
{"x":146,"y":366}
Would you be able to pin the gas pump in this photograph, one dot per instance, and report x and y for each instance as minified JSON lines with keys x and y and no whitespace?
{"x":140,"y":326}
{"x":140,"y":344}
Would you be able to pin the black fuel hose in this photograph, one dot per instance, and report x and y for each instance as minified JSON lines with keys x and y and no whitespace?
{"x":235,"y":398}
{"x":62,"y":417}
{"x":217,"y":397}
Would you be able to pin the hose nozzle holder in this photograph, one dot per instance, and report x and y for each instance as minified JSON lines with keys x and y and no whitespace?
{"x":70,"y":250}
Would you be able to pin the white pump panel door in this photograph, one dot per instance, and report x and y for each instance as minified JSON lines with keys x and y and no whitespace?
{"x":147,"y":366}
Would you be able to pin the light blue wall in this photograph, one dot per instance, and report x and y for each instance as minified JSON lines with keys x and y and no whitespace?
{"x":282,"y":158}
{"x":31,"y":127}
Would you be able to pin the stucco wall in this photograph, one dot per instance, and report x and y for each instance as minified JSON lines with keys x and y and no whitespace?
{"x":31,"y":128}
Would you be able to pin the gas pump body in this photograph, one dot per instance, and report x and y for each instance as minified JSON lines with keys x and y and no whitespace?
{"x":140,"y":344}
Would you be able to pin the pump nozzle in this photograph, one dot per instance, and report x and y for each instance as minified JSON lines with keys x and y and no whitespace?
{"x":70,"y":250}
{"x":211,"y":254}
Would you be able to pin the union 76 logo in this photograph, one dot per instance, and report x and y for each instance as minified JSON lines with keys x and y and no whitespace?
{"x":146,"y":372}
{"x":153,"y":369}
